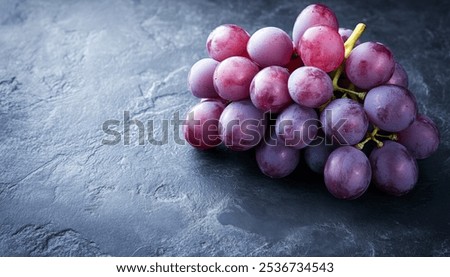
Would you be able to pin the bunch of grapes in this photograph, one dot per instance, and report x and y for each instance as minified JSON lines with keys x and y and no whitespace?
{"x":346,"y":103}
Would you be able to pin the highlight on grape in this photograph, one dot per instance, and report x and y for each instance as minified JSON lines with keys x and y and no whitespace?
{"x":324,"y":93}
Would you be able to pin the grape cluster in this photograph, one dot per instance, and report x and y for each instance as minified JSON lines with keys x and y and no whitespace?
{"x":346,"y":103}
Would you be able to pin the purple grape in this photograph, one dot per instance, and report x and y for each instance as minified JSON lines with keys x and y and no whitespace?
{"x":200,"y":79}
{"x":297,"y":126}
{"x":390,"y":107}
{"x":421,"y":138}
{"x":310,"y":86}
{"x":277,"y":160}
{"x":201,"y":125}
{"x":269,"y":91}
{"x":241,"y":125}
{"x":394,"y":170}
{"x":223,"y":101}
{"x":347,"y":173}
{"x":345,"y":34}
{"x":313,"y":15}
{"x":226,"y":41}
{"x":370,"y":64}
{"x":399,"y":77}
{"x":270,"y":46}
{"x":322,"y":47}
{"x":233,"y":76}
{"x":316,"y":155}
{"x":345,"y":121}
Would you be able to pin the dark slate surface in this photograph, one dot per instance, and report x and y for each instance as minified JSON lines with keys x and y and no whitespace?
{"x":68,"y":66}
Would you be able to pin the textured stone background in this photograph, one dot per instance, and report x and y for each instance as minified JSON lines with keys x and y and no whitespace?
{"x":67,"y":66}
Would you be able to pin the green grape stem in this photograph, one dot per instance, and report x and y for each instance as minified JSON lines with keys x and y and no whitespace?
{"x":369,"y":137}
{"x":348,"y":45}
{"x":351,"y":41}
{"x":391,"y":136}
{"x":373,"y":136}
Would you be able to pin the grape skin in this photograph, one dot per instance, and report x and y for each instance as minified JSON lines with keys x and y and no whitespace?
{"x":370,"y":64}
{"x":322,"y":47}
{"x":233,"y":76}
{"x":353,"y":118}
{"x":316,"y":155}
{"x":297,"y":126}
{"x":310,"y":86}
{"x":269,"y":91}
{"x":248,"y":78}
{"x":421,"y":138}
{"x":394,"y":170}
{"x":347,"y":173}
{"x":399,"y":77}
{"x":226,"y":41}
{"x":201,"y":125}
{"x":200,"y":78}
{"x":313,"y":15}
{"x":391,"y":108}
{"x":346,"y":33}
{"x":241,"y":125}
{"x":270,"y":46}
{"x":277,"y":160}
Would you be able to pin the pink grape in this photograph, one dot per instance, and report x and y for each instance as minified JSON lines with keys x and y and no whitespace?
{"x":322,"y":47}
{"x":227,"y":41}
{"x":313,"y":15}
{"x":233,"y":76}
{"x":310,"y":86}
{"x":241,"y":125}
{"x":201,"y":125}
{"x":269,"y":91}
{"x":200,"y":79}
{"x":247,"y":79}
{"x":270,"y":46}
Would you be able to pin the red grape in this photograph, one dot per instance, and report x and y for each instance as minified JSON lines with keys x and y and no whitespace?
{"x":322,"y":47}
{"x":313,"y":15}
